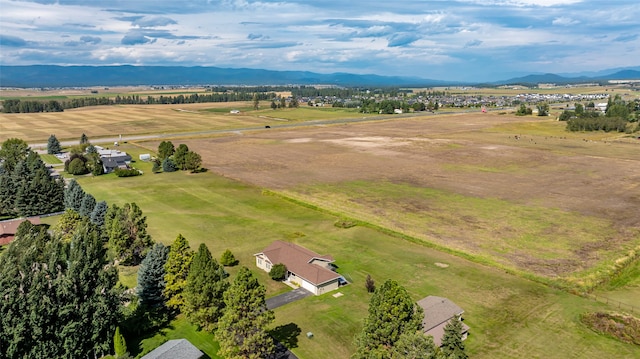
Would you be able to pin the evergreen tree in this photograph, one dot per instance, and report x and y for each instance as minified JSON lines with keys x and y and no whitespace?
{"x":127,"y":232}
{"x":168,"y":165}
{"x":87,"y":205}
{"x":176,"y":272}
{"x":228,"y":259}
{"x":242,"y":330}
{"x":203,"y":294}
{"x":66,"y":226}
{"x":151,"y":274}
{"x":36,"y":192}
{"x":119,"y":344}
{"x":391,"y":313}
{"x":414,"y":345}
{"x":53,"y":145}
{"x":84,"y":140}
{"x":98,"y":214}
{"x":452,"y":346}
{"x":73,"y":196}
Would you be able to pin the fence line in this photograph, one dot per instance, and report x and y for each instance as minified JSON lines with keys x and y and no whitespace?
{"x":613,"y":302}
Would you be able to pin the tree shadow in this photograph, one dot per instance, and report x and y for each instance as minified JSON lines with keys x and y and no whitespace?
{"x":287,"y":334}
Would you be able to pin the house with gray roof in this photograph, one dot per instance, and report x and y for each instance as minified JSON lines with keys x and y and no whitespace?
{"x":305,"y":268}
{"x":175,"y":349}
{"x":438,"y":311}
{"x":112,"y":159}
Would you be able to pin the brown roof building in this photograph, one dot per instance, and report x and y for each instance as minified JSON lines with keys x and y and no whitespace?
{"x":438,"y":312}
{"x":305,"y":268}
{"x":9,"y":228}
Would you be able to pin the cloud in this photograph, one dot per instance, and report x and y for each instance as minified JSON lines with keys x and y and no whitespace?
{"x":402,"y":39}
{"x":12,"y":41}
{"x":93,"y":40}
{"x":153,"y":21}
{"x":626,"y":38}
{"x":473,"y":43}
{"x":256,"y":36}
{"x":136,"y":39}
{"x":564,"y":21}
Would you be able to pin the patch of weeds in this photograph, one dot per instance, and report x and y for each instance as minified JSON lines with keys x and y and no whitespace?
{"x":623,"y":327}
{"x":345,"y":223}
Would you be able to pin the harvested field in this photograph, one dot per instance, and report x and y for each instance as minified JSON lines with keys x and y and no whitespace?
{"x":551,"y":203}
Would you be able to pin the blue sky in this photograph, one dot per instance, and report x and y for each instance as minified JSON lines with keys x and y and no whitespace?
{"x":466,"y":40}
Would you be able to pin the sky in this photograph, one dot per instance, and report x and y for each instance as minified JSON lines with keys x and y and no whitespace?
{"x":458,"y":40}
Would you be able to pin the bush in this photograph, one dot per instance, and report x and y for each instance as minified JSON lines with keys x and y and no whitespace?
{"x":126,"y":172}
{"x":168,"y":165}
{"x":370,"y":284}
{"x":278,"y":271}
{"x":228,"y":259}
{"x":77,"y":167}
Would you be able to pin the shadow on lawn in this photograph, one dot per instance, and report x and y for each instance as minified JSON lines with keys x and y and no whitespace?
{"x":287,"y":334}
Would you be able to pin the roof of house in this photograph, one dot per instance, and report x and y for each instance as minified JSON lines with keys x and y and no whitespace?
{"x":438,"y":311}
{"x":299,"y":261}
{"x":175,"y":349}
{"x":113,"y":162}
{"x":9,"y":228}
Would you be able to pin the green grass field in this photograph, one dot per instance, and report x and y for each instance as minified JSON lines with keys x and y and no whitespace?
{"x":509,"y":316}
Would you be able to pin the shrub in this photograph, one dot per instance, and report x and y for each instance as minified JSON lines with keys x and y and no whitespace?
{"x":228,"y":259}
{"x":77,"y":167}
{"x":278,"y":271}
{"x":370,"y":284}
{"x":126,"y":172}
{"x":168,"y":165}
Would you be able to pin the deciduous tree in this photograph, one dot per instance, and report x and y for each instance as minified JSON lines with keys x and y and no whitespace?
{"x":179,"y":157}
{"x":165,"y":150}
{"x":127,"y":232}
{"x":414,"y":345}
{"x":12,"y":151}
{"x":192,"y":161}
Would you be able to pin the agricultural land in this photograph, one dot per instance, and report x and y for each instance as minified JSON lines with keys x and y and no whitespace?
{"x":524,"y":225}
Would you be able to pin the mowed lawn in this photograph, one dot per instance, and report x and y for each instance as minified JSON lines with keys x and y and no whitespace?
{"x":509,"y":316}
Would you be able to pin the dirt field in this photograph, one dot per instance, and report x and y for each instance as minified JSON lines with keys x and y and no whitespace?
{"x":552,"y":205}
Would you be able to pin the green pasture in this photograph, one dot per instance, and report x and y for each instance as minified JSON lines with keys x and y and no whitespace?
{"x":509,"y":316}
{"x":50,"y":159}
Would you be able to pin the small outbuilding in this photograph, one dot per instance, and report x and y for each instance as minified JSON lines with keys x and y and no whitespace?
{"x":145,"y":157}
{"x":175,"y":349}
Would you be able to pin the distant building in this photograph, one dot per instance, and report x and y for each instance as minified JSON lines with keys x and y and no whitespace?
{"x":145,"y":157}
{"x":112,"y":159}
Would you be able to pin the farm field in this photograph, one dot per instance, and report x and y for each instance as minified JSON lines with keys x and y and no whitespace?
{"x":553,"y":206}
{"x":509,"y":316}
{"x":559,"y":206}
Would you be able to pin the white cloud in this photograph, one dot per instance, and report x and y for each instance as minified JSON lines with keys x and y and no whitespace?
{"x":564,"y":21}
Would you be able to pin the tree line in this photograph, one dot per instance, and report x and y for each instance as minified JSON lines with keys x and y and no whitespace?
{"x":26,"y":186}
{"x":619,"y":116}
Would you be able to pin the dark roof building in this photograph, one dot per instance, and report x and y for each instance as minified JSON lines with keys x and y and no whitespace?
{"x":438,"y":311}
{"x":175,"y":349}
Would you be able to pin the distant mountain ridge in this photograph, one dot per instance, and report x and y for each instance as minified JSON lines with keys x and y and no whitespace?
{"x":127,"y":75}
{"x":83,"y":76}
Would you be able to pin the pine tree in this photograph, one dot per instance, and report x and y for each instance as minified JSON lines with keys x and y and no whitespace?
{"x":53,"y":145}
{"x":84,"y":139}
{"x":98,"y":213}
{"x":12,"y":151}
{"x":151,"y":277}
{"x":127,"y":232}
{"x":203,"y":294}
{"x":414,"y":345}
{"x":67,"y":225}
{"x":392,"y":312}
{"x":87,"y":205}
{"x":452,"y":346}
{"x":168,"y":165}
{"x":73,"y":196}
{"x":176,"y":272}
{"x":228,"y":259}
{"x":242,"y":330}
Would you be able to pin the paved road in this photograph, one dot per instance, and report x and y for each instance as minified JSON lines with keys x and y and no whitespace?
{"x":286,"y":298}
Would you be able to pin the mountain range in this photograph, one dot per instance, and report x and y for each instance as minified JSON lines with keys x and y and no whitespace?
{"x":126,"y":75}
